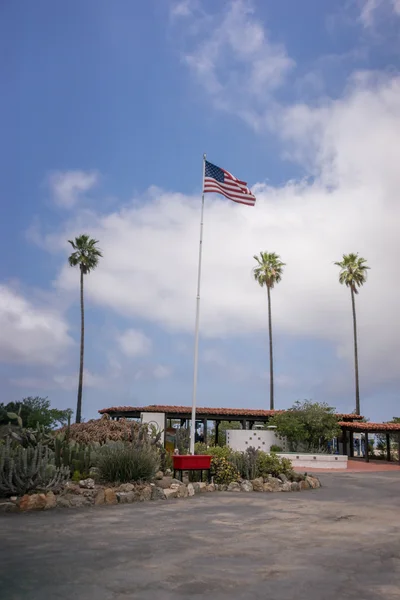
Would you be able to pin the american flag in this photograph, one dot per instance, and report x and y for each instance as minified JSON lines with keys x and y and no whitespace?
{"x":222,"y":182}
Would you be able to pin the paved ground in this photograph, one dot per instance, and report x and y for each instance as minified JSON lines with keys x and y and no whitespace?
{"x":339,"y":542}
{"x":358,"y":465}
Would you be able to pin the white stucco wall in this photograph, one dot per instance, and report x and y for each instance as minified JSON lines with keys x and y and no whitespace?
{"x":156,"y":419}
{"x":261,"y":439}
{"x":316,"y":461}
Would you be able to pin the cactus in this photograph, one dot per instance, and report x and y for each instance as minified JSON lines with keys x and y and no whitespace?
{"x":29,"y":469}
{"x":68,"y":453}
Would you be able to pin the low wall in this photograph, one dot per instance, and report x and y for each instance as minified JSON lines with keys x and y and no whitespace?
{"x":260,"y":439}
{"x":316,"y":461}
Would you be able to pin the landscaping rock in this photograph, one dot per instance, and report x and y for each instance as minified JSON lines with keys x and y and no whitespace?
{"x":313,"y":482}
{"x":304,"y":485}
{"x":171,"y":493}
{"x":87,"y":484}
{"x":110,"y":496}
{"x":165,"y":482}
{"x":177,"y":481}
{"x":258,"y":484}
{"x":283,"y":477}
{"x":183,"y":491}
{"x":99,"y":498}
{"x":267,"y":487}
{"x":159,"y":475}
{"x":72,"y":501}
{"x":295,"y":486}
{"x":143,"y":493}
{"x":157,"y":493}
{"x":246,"y":486}
{"x":168,"y":473}
{"x":6,"y":506}
{"x":202,"y":487}
{"x":286,"y":487}
{"x":190,"y":489}
{"x":234,"y":486}
{"x":211,"y":487}
{"x":32,"y":502}
{"x":196,"y":487}
{"x":126,"y":487}
{"x":125,"y":497}
{"x":51,"y":501}
{"x":275,"y":483}
{"x":222,"y":487}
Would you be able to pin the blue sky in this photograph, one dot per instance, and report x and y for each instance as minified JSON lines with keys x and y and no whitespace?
{"x":106,"y":110}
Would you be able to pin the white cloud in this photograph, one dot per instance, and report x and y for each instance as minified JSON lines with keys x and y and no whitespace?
{"x":61,"y":382}
{"x":67,"y":187}
{"x":134,"y":343}
{"x":150,"y":247}
{"x":371,"y":8}
{"x":161,"y":372}
{"x":184,"y":8}
{"x":153,"y":372}
{"x":30,"y":334}
{"x":236,"y":62}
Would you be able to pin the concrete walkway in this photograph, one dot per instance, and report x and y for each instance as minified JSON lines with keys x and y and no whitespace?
{"x":339,"y":542}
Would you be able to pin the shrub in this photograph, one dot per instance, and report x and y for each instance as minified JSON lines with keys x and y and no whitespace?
{"x":123,"y":462}
{"x":275,"y":448}
{"x":271,"y":464}
{"x":29,"y":469}
{"x":246,"y":463}
{"x":223,"y":471}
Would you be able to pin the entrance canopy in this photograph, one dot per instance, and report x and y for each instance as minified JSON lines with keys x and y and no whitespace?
{"x":388,"y":429}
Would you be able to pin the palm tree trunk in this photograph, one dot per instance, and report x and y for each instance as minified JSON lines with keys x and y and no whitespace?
{"x":271,"y":357}
{"x":353,"y":304}
{"x":80,"y":384}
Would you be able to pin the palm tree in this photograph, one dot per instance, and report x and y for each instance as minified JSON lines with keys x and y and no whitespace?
{"x":86,"y":256}
{"x":353,"y":274}
{"x":268,"y":272}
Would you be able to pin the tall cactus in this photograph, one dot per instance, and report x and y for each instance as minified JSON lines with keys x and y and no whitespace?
{"x":29,"y":469}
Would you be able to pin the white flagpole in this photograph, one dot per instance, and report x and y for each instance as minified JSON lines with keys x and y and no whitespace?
{"x":196,"y":337}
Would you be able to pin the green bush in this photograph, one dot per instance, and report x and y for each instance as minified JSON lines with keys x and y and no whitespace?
{"x":246,"y":462}
{"x":29,"y":469}
{"x":275,"y":448}
{"x":223,"y":471}
{"x":123,"y":462}
{"x":219,"y":451}
{"x":271,"y":464}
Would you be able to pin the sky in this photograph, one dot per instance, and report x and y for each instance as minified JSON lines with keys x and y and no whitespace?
{"x":106,"y":110}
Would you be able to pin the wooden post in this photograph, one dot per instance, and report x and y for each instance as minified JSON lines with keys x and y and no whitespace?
{"x":388,"y":446}
{"x":351,"y":444}
{"x":216,"y":432}
{"x":244,"y":424}
{"x":205,"y":430}
{"x":366,"y":447}
{"x":345,"y":442}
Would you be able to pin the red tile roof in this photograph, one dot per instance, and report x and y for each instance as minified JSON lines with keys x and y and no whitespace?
{"x":187,"y":410}
{"x":373,"y":427}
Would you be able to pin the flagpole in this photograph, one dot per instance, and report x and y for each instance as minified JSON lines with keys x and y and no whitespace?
{"x":196,"y":337}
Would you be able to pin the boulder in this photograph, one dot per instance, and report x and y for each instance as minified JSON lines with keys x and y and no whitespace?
{"x":295,"y":486}
{"x":72,"y":501}
{"x":168,"y":472}
{"x":159,"y":475}
{"x":87,"y":484}
{"x":286,"y":487}
{"x":190,"y":489}
{"x":6,"y":506}
{"x":183,"y":491}
{"x":110,"y":496}
{"x":222,"y":487}
{"x":99,"y":497}
{"x":246,"y":486}
{"x":211,"y":487}
{"x":32,"y":502}
{"x":125,"y":497}
{"x":234,"y":486}
{"x":267,"y":487}
{"x":51,"y":501}
{"x":202,"y":487}
{"x":274,"y":483}
{"x":283,"y":477}
{"x":126,"y":487}
{"x":196,"y":487}
{"x":170,"y":493}
{"x":143,"y":493}
{"x":157,"y":493}
{"x":258,"y":484}
{"x":304,"y":485}
{"x":313,"y":481}
{"x":178,"y":481}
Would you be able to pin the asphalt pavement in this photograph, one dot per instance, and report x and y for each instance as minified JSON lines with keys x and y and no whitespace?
{"x":336,"y":543}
